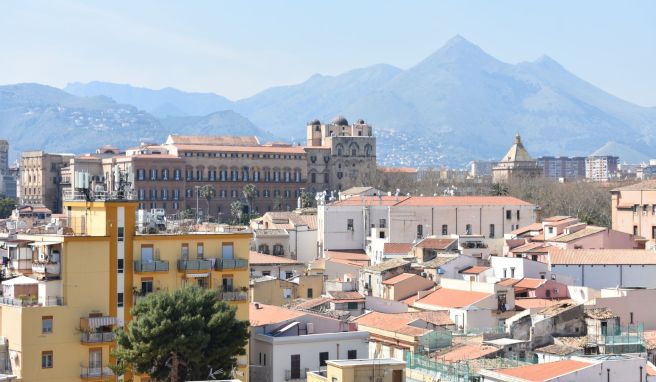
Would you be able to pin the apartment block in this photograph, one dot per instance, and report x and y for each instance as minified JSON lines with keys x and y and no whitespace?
{"x":567,"y":168}
{"x":40,"y":179}
{"x":601,"y":168}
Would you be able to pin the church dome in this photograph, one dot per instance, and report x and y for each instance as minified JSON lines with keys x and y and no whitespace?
{"x":339,"y":121}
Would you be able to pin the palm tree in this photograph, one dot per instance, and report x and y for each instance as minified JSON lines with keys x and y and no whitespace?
{"x":207,"y":192}
{"x":249,"y":192}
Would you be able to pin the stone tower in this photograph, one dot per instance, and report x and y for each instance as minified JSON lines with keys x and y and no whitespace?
{"x":517,"y":163}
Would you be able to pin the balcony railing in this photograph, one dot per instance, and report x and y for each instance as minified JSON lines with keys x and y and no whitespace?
{"x":151,"y":266}
{"x":95,"y":372}
{"x":94,"y":338}
{"x":296,"y":375}
{"x":195,"y":265}
{"x":45,"y":268}
{"x":230,"y":264}
{"x":233,"y":296}
{"x":49,"y":301}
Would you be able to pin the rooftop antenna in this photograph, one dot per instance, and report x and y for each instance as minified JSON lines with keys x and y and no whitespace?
{"x":122,"y":184}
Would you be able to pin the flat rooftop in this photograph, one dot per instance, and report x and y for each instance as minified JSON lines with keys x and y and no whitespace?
{"x":366,"y":362}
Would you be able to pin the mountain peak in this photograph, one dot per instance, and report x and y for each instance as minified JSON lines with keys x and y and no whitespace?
{"x":547,"y":61}
{"x":459,"y":51}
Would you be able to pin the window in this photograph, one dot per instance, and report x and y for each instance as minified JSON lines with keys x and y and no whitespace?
{"x":517,"y":214}
{"x":445,"y":229}
{"x":119,"y":300}
{"x":491,"y":231}
{"x":635,"y":230}
{"x":323,"y":357}
{"x":505,"y":273}
{"x":287,"y":293}
{"x":349,"y":224}
{"x":227,"y":251}
{"x":468,"y":229}
{"x":147,"y":253}
{"x":352,"y":354}
{"x":382,"y":223}
{"x":631,"y":317}
{"x":420,"y":231}
{"x":508,"y":215}
{"x":200,"y":251}
{"x":227,"y":283}
{"x":310,"y":293}
{"x":184,"y":248}
{"x":121,"y":233}
{"x":46,"y":324}
{"x":512,"y":272}
{"x":46,"y":359}
{"x":550,"y":230}
{"x":146,"y":285}
{"x":120,"y":265}
{"x":352,"y":306}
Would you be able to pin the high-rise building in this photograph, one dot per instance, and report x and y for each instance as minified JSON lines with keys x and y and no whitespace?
{"x":40,"y":179}
{"x":7,"y":179}
{"x":601,"y":168}
{"x":57,"y":318}
{"x":567,"y":168}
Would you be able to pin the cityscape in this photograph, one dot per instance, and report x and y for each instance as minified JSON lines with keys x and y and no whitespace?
{"x":449,"y":217}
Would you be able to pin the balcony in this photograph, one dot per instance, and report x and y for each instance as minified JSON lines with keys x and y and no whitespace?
{"x":97,"y":338}
{"x":151,"y":266}
{"x":296,"y":375}
{"x":233,"y":296}
{"x":93,"y":373}
{"x":32,"y":302}
{"x":46,"y":268}
{"x":222,"y":264}
{"x":195,"y":265}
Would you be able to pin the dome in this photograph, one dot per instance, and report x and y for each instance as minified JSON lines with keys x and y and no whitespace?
{"x":360,"y":121}
{"x":314,"y":122}
{"x":339,"y":121}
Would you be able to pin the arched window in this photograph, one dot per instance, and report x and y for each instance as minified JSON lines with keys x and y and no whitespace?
{"x":278,"y":250}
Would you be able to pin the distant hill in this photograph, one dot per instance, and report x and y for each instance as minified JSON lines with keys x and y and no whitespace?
{"x":624,"y":152}
{"x":38,"y":117}
{"x":161,"y":103}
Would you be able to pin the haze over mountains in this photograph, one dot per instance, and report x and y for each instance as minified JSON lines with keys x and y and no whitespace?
{"x":456,"y":105}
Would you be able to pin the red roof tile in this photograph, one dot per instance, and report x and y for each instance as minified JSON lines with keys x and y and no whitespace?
{"x":545,"y":371}
{"x":397,"y":247}
{"x":353,"y":296}
{"x":434,"y":243}
{"x":400,"y":322}
{"x":356,"y":254}
{"x":474,"y":270}
{"x":466,"y":352}
{"x":528,"y":228}
{"x":530,"y":283}
{"x":462,"y":201}
{"x":602,"y":256}
{"x":269,"y":314}
{"x":531,"y":303}
{"x":452,"y":298}
{"x":255,"y":258}
{"x":402,"y":277}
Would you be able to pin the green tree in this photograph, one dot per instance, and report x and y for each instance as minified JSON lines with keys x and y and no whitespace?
{"x":207,"y":192}
{"x":235,"y":211}
{"x":307,"y":200}
{"x":249,"y":192}
{"x":7,"y":205}
{"x":499,"y":189}
{"x":182,"y":336}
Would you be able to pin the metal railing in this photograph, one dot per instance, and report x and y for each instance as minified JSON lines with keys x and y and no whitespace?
{"x":151,"y":266}
{"x":230,"y":264}
{"x":95,"y":372}
{"x":297,"y":375}
{"x":92,"y":338}
{"x":233,"y":296}
{"x":50,"y":301}
{"x":195,"y":265}
{"x":71,"y":195}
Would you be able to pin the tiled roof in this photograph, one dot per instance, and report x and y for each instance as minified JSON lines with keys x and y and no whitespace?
{"x":387,"y":265}
{"x":576,"y":342}
{"x":356,"y":254}
{"x":650,"y":339}
{"x":528,"y":228}
{"x":269,"y":314}
{"x":440,"y":260}
{"x":530,"y":283}
{"x":641,"y":186}
{"x":434,"y":243}
{"x":651,"y":369}
{"x":359,"y":200}
{"x":545,"y":371}
{"x":557,"y":218}
{"x":356,"y":190}
{"x":531,"y":303}
{"x":359,"y":264}
{"x":558,"y":349}
{"x":397,"y":247}
{"x":312,"y":303}
{"x":452,"y":298}
{"x":402,"y":277}
{"x":560,"y":307}
{"x":244,"y":149}
{"x":517,"y":153}
{"x":599,"y":313}
{"x":255,"y":258}
{"x":587,"y":231}
{"x":270,"y":232}
{"x":465,"y":352}
{"x":602,"y":256}
{"x":474,"y":270}
{"x":400,"y":322}
{"x":530,"y":247}
{"x":338,"y":295}
{"x":408,"y":170}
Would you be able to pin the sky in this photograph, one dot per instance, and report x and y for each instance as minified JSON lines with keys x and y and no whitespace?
{"x":238,"y":48}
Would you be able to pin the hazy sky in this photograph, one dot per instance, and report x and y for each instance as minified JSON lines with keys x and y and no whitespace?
{"x":237,"y":48}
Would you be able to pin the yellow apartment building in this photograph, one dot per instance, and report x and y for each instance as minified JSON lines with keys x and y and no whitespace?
{"x":57,"y":326}
{"x":356,"y":370}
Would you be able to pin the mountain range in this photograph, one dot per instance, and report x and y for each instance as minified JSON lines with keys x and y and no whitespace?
{"x":458,"y":104}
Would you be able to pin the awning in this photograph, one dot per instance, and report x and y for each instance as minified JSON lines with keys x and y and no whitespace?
{"x":96,"y":322}
{"x":40,"y":243}
{"x":196,"y":275}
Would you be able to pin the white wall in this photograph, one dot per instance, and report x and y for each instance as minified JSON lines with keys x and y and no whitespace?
{"x":640,"y":302}
{"x":609,"y":276}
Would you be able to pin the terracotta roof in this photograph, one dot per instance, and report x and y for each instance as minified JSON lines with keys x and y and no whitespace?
{"x":465,"y":352}
{"x":400,"y":322}
{"x":528,"y":228}
{"x":530,"y":283}
{"x":402,"y":277}
{"x":602,"y":256}
{"x":409,"y":170}
{"x":560,"y":307}
{"x":587,"y":231}
{"x":452,"y":298}
{"x":269,"y":314}
{"x":216,"y":140}
{"x":255,"y":258}
{"x":650,"y":339}
{"x":440,"y":260}
{"x":397,"y":247}
{"x":358,"y":200}
{"x":474,"y":270}
{"x":556,"y":218}
{"x":435,"y":243}
{"x":545,"y":371}
{"x":576,"y":342}
{"x":530,"y":247}
{"x":312,"y":303}
{"x":599,"y":313}
{"x":558,"y":349}
{"x":651,"y":369}
{"x":356,"y":190}
{"x":641,"y":186}
{"x":508,"y":282}
{"x":339,"y":295}
{"x":462,"y":201}
{"x":359,"y":264}
{"x":387,"y":265}
{"x":356,"y":254}
{"x":531,"y":303}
